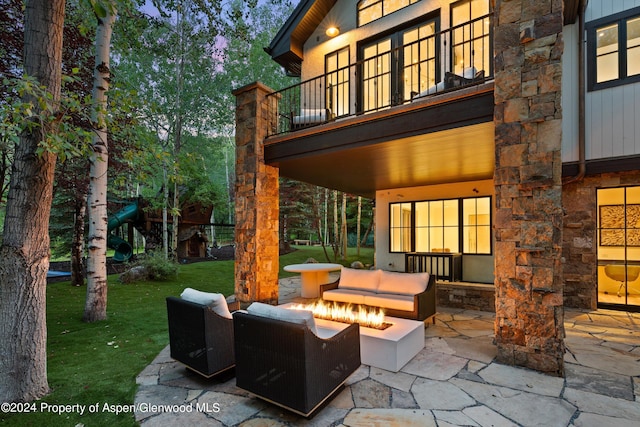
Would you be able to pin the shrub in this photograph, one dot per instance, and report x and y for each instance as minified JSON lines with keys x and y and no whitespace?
{"x":151,"y":268}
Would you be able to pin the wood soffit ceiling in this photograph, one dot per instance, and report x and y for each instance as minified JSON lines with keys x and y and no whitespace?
{"x":453,"y":155}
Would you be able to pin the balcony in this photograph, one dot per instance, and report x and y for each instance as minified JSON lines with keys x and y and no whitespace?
{"x":450,"y":60}
{"x":420,"y":114}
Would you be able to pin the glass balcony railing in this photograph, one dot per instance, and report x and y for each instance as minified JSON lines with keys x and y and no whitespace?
{"x":448,"y":60}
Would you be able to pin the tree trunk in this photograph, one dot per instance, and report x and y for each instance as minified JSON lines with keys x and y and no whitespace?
{"x":95,"y":307}
{"x":77,"y":245}
{"x":24,"y":254}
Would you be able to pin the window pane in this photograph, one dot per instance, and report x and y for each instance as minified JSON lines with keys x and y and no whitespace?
{"x":476,"y":218}
{"x":633,"y":47}
{"x":422,"y":214}
{"x":370,"y":14}
{"x":460,"y":14}
{"x":400,"y":227}
{"x":391,"y":6}
{"x":450,"y":212}
{"x":607,"y":67}
{"x":484,"y":240}
{"x":451,"y":239}
{"x":479,"y":8}
{"x":607,"y":53}
{"x":422,"y":240}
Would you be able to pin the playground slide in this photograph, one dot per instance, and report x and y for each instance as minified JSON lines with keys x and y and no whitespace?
{"x":123,"y":249}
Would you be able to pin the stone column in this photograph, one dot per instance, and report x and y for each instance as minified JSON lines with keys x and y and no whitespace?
{"x":528,"y":181}
{"x":257,"y":201}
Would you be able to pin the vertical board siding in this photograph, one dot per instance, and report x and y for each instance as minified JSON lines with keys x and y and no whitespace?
{"x":570,"y":94}
{"x":611,"y":115}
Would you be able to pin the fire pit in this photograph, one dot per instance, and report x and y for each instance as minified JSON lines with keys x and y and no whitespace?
{"x":367,"y":317}
{"x":390,"y":348}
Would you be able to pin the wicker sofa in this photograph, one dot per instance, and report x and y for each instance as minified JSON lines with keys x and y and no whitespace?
{"x":201,"y":333}
{"x":406,"y":295}
{"x":283,"y":361}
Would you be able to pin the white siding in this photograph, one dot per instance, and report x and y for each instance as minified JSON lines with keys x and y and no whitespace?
{"x":600,"y":8}
{"x":570,"y":94}
{"x":611,"y":115}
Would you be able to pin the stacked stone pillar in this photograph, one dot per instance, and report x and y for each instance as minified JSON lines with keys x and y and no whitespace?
{"x":528,"y":182}
{"x":257,"y":201}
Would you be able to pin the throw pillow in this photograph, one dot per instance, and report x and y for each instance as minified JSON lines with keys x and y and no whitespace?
{"x":403,"y":283}
{"x":216,"y":301}
{"x":302,"y":317}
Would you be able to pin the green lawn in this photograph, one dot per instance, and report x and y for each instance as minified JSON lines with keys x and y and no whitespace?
{"x":98,"y":363}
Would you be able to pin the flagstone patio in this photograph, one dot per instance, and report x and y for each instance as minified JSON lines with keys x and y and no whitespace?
{"x":453,"y":381}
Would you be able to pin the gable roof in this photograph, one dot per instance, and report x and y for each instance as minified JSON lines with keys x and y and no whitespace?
{"x":287,"y":46}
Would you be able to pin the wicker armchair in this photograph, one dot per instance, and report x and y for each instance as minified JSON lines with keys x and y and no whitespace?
{"x":199,"y":338}
{"x":286,"y":364}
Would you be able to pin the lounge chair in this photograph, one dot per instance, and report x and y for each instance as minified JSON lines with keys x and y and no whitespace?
{"x":287,"y":364}
{"x":199,"y":337}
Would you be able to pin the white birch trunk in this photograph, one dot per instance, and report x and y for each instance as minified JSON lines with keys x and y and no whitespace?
{"x":96,"y":302}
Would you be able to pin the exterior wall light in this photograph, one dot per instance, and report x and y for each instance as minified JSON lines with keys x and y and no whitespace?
{"x":333,"y":31}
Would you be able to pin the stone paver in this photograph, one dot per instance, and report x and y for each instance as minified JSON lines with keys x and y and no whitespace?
{"x":453,"y":381}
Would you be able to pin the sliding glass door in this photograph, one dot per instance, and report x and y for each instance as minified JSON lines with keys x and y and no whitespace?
{"x":619,"y":247}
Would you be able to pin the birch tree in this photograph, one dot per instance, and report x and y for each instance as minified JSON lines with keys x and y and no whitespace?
{"x":96,"y":301}
{"x":24,"y":254}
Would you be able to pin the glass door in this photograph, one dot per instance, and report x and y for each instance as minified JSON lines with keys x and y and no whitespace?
{"x":376,"y":76}
{"x":618,"y":219}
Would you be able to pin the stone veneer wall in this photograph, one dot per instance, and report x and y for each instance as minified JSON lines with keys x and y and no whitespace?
{"x":528,"y":222}
{"x":257,"y":201}
{"x":467,"y":296}
{"x":579,"y":249}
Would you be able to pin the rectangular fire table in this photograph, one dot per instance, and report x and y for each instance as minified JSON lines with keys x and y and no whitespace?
{"x":388,"y":349}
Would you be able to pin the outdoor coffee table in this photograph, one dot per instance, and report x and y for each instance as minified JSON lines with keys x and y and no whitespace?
{"x":312,"y":275}
{"x":388,"y":349}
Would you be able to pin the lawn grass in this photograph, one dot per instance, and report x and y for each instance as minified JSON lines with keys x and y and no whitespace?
{"x":98,"y":362}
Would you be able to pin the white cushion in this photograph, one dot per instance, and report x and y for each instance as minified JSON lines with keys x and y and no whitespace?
{"x":216,"y":301}
{"x":352,"y":296}
{"x":310,"y":115}
{"x":365,"y":280}
{"x":391,"y":301}
{"x":431,"y":89}
{"x":402,"y":283}
{"x":469,"y":72}
{"x":302,"y":317}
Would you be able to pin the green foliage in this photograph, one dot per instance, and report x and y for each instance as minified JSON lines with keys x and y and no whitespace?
{"x":35,"y":111}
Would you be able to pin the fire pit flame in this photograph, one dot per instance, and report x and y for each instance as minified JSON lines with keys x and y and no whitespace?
{"x":365,"y":316}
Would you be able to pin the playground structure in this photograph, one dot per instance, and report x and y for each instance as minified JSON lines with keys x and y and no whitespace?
{"x":192,"y":239}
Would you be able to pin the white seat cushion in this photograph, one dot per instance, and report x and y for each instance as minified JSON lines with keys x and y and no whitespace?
{"x":391,"y":301}
{"x":363,"y":280}
{"x":310,"y":115}
{"x":403,"y":283}
{"x":302,"y":317}
{"x":216,"y":301}
{"x":352,"y":296}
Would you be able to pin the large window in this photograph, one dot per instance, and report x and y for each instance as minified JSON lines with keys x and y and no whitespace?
{"x":370,"y":10}
{"x":398,"y":65}
{"x":470,"y":38}
{"x":454,"y":225}
{"x":614,"y":50}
